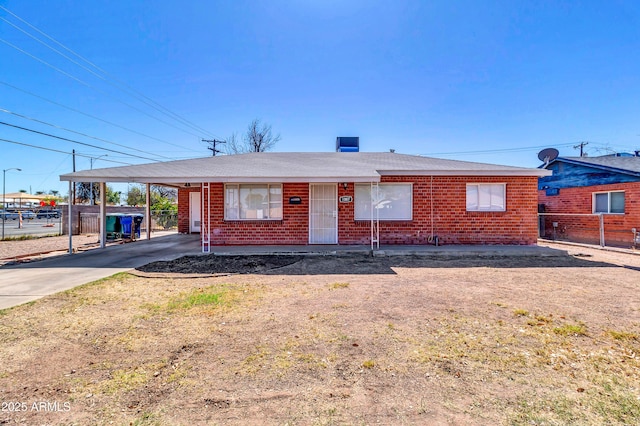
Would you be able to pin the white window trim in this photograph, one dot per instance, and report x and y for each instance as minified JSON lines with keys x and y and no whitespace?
{"x":593,"y":202}
{"x":489,"y":210}
{"x":410,"y":218}
{"x":269,"y":186}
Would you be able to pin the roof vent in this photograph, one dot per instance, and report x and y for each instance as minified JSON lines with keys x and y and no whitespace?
{"x":348,"y":144}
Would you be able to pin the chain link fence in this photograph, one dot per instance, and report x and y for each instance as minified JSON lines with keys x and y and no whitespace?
{"x":598,"y":229}
{"x":30,"y":224}
{"x":164,"y":220}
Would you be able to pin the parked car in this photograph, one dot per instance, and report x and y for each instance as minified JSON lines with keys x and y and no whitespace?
{"x":49,"y":214}
{"x":8,"y":215}
{"x":15,"y":214}
{"x":28,"y":215}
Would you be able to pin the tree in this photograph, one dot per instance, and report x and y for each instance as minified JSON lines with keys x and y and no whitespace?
{"x":164,"y":207}
{"x":113,"y":197}
{"x":170,"y":194}
{"x":83,"y":192}
{"x":136,"y":196}
{"x":160,"y":196}
{"x":259,"y":138}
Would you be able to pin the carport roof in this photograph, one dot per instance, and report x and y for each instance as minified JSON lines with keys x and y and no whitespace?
{"x":295,"y":166}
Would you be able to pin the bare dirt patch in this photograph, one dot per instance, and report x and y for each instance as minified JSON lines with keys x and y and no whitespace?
{"x":213,"y":264}
{"x":334,"y":340}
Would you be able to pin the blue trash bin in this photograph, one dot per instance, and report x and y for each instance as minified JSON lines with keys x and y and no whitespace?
{"x":126,"y":222}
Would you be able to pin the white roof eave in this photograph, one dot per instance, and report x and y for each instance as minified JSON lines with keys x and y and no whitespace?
{"x":229,"y":179}
{"x":289,"y":179}
{"x":516,"y":172}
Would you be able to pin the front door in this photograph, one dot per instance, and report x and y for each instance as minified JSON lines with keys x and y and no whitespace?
{"x":194,"y":211}
{"x":323,"y":214}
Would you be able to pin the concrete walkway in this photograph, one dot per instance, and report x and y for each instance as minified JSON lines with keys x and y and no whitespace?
{"x":394,"y":250}
{"x":30,"y":281}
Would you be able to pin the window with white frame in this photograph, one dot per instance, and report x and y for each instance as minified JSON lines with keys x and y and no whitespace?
{"x":390,"y":201}
{"x":486,"y":197}
{"x":252,"y":201}
{"x":608,"y":202}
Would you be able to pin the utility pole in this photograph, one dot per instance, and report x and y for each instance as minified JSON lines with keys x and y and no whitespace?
{"x":213,"y":143}
{"x":93,"y":195}
{"x":73,"y":196}
{"x":581,"y":145}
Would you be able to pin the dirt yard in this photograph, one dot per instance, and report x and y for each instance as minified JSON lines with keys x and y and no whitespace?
{"x":333,"y":340}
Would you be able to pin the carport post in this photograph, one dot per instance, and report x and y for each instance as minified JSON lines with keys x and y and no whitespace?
{"x":103,"y":215}
{"x":69,"y":219}
{"x":147,"y":212}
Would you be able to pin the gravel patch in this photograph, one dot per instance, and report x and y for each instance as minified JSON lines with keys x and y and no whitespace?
{"x":12,"y":250}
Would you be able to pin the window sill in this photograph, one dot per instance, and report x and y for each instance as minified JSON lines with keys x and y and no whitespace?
{"x":252,"y":220}
{"x":383,"y":220}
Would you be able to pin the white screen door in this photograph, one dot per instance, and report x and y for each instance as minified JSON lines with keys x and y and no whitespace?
{"x":323,"y":214}
{"x":194,"y":212}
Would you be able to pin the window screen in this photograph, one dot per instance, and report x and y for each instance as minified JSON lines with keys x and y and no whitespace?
{"x":390,"y":201}
{"x":486,"y":197}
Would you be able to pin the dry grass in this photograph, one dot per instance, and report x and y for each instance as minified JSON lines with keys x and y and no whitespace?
{"x":420,"y":346}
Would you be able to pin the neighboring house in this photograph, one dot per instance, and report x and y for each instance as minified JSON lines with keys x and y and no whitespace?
{"x":588,"y":192}
{"x":343,"y":198}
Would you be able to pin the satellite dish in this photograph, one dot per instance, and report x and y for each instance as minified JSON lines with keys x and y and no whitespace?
{"x":547,"y":155}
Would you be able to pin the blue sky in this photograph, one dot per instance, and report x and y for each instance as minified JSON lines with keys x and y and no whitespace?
{"x":492,"y":81}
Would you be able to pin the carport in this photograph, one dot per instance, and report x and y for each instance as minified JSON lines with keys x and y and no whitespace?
{"x":103,"y":215}
{"x":147,"y":174}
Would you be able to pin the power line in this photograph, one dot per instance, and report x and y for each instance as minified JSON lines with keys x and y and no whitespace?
{"x":490,"y":151}
{"x":84,"y":83}
{"x":105,"y":77}
{"x":79,"y":133}
{"x":73,"y":141}
{"x":50,"y":47}
{"x":57,"y":150}
{"x":53,"y":171}
{"x":91,"y":116}
{"x":89,"y":70}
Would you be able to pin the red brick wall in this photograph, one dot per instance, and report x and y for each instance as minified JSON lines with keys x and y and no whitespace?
{"x":292,"y":229}
{"x":450,"y":221}
{"x":586,"y":229}
{"x":183,"y":208}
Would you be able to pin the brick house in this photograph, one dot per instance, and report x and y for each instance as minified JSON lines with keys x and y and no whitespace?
{"x":343,"y":198}
{"x":590,"y":193}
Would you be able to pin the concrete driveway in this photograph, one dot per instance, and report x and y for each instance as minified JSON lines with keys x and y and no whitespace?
{"x":30,"y":281}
